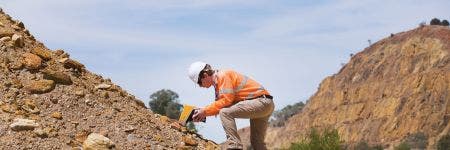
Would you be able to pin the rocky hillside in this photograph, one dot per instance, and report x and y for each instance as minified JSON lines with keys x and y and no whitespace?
{"x":393,"y":90}
{"x":50,"y":101}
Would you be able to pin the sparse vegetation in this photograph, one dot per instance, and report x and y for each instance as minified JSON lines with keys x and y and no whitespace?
{"x":328,"y":140}
{"x":362,"y":145}
{"x":191,"y":127}
{"x":402,"y":146}
{"x":444,"y":143}
{"x":279,"y":117}
{"x":418,"y":140}
{"x":377,"y":147}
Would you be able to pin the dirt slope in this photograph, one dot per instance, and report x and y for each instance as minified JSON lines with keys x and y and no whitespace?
{"x":50,"y":101}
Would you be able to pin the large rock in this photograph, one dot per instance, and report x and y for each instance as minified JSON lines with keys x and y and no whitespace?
{"x":102,"y":86}
{"x":30,"y":106}
{"x":183,"y":147}
{"x":20,"y":24}
{"x":164,"y":119}
{"x":189,"y":141}
{"x":58,"y":77}
{"x":7,"y":108}
{"x":43,"y":53}
{"x":97,"y":142}
{"x":57,"y":115}
{"x":70,"y":63}
{"x":211,"y":146}
{"x":41,"y":86}
{"x":17,"y":40}
{"x":31,"y":61}
{"x":5,"y":39}
{"x":23,"y":124}
{"x":41,"y":133}
{"x":140,"y":103}
{"x":6,"y":33}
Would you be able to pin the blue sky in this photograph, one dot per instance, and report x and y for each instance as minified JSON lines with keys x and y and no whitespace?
{"x":289,"y":46}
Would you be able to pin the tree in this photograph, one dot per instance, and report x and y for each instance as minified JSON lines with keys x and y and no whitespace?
{"x":444,"y":23}
{"x":165,"y":102}
{"x":280,"y":116}
{"x":173,"y":110}
{"x":435,"y":21}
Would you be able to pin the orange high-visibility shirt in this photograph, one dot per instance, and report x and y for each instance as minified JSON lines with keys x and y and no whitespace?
{"x":232,"y":87}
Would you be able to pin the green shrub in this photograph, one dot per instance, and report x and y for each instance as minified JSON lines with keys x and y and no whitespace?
{"x":444,"y":143}
{"x":377,"y":147}
{"x":402,"y":146}
{"x":191,"y":127}
{"x":328,"y":140}
{"x":362,"y":146}
{"x":417,"y":140}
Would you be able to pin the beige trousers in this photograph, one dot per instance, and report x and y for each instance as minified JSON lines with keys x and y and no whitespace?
{"x":258,"y":111}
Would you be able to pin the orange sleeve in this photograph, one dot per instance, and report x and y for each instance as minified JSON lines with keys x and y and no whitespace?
{"x":226,"y":96}
{"x":214,"y":108}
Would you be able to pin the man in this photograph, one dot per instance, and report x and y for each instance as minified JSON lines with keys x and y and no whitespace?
{"x":237,"y":96}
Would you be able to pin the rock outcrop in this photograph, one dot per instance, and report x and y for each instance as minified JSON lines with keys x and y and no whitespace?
{"x":397,"y":88}
{"x":97,"y":142}
{"x":50,"y":101}
{"x":23,"y":124}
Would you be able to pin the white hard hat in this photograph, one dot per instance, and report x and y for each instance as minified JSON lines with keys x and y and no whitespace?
{"x":194,"y":70}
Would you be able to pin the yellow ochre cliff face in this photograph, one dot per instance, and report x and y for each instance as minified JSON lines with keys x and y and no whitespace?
{"x":397,"y":87}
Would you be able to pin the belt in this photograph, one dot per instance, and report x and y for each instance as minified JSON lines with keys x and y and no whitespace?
{"x":262,"y":96}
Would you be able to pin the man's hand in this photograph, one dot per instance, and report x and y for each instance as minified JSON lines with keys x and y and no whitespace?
{"x":199,"y":115}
